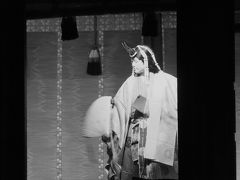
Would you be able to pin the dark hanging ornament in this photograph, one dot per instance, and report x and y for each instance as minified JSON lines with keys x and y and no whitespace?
{"x":150,"y":25}
{"x":131,"y":51}
{"x":69,"y":28}
{"x":94,"y":66}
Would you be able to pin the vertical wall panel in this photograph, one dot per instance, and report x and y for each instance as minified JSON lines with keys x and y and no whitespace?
{"x":170,"y":51}
{"x":41,"y":105}
{"x":80,"y":155}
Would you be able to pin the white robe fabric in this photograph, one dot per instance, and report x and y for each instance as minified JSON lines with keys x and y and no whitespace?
{"x":97,"y":120}
{"x":161,"y":93}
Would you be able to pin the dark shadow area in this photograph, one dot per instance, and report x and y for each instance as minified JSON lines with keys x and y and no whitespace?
{"x":205,"y":90}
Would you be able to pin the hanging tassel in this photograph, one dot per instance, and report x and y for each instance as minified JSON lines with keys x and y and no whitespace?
{"x":94,"y":66}
{"x":69,"y":28}
{"x":150,"y":25}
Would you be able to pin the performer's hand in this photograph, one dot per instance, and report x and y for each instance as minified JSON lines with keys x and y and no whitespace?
{"x":106,"y":139}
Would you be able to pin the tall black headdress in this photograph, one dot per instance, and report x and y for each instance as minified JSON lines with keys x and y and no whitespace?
{"x":131,"y":51}
{"x":141,"y":49}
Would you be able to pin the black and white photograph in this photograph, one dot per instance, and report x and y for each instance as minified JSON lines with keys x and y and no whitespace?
{"x":102,"y":97}
{"x":120,"y":90}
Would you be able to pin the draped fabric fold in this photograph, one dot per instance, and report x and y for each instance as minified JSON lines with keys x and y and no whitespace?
{"x":162,"y":98}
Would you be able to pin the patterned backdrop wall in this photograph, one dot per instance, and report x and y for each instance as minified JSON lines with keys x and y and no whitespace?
{"x":59,"y":91}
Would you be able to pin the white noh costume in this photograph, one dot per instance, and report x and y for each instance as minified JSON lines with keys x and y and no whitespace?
{"x":162,"y":122}
{"x":160,"y":91}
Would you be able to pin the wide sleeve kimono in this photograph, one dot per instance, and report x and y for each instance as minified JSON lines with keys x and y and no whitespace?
{"x":161,"y":94}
